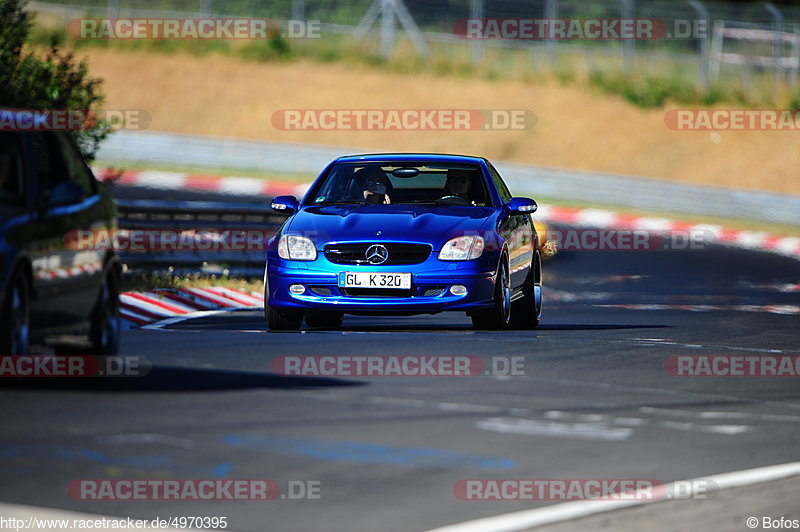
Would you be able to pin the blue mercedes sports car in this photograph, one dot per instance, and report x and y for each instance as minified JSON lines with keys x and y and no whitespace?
{"x":404,"y":234}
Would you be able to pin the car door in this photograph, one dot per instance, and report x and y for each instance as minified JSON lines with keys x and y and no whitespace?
{"x":66,"y":277}
{"x":517,"y":230}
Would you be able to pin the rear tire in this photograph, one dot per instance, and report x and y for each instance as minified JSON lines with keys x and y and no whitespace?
{"x":527,"y":312}
{"x":105,"y":330}
{"x":16,"y":317}
{"x":499,"y":316}
{"x":325,"y":319}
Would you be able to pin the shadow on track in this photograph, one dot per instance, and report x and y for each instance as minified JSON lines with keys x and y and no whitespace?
{"x":177,"y":379}
{"x":596,"y":327}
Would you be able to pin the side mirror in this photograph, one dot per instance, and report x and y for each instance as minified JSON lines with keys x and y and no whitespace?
{"x":522,"y":205}
{"x":285,"y":204}
{"x":64,"y":193}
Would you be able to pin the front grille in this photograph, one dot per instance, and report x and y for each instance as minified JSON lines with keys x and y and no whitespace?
{"x":399,"y":254}
{"x":433,"y":292}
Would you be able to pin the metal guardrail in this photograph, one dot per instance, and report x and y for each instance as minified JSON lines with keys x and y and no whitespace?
{"x":184,"y":237}
{"x":594,"y":188}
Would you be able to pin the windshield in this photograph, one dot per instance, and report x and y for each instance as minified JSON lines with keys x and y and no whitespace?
{"x":392,"y":184}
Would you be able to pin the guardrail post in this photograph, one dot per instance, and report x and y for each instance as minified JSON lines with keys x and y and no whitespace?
{"x":777,"y":44}
{"x":627,"y":44}
{"x":476,"y":10}
{"x":298,"y":10}
{"x":704,"y":52}
{"x":551,"y":13}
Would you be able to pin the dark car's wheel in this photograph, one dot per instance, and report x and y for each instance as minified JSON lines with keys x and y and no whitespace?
{"x":16,"y":317}
{"x":527,"y":312}
{"x":104,"y":332}
{"x":499,"y":316}
{"x":326,"y":319}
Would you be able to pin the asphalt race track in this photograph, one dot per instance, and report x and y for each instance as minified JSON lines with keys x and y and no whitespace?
{"x":595,"y":402}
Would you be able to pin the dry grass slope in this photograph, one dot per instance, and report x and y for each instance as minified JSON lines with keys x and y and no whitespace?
{"x":577,"y":126}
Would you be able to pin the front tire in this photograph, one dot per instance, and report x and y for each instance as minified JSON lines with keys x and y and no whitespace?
{"x":527,"y":312}
{"x":283,"y":320}
{"x":499,"y":316}
{"x":16,"y":317}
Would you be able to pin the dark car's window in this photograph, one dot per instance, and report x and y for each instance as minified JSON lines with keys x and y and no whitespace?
{"x":46,"y":161}
{"x":12,"y":186}
{"x":56,"y":160}
{"x":502,"y":189}
{"x":76,"y":170}
{"x":445,"y":184}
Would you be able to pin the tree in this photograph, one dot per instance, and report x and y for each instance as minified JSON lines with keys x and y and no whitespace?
{"x":52,"y":80}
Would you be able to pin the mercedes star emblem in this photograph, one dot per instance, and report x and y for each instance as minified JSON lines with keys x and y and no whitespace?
{"x":377,"y":254}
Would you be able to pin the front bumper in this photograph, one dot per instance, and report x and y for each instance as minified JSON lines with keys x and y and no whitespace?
{"x":430,"y":286}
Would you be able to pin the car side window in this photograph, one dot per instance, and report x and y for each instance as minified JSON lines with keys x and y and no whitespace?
{"x":12,"y":185}
{"x":75,"y":168}
{"x":47,"y":167}
{"x":502,"y":189}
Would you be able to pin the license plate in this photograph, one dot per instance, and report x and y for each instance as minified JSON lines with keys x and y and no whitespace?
{"x":374,"y":280}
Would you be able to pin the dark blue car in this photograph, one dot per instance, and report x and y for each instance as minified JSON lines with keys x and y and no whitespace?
{"x":404,"y":234}
{"x":51,"y":290}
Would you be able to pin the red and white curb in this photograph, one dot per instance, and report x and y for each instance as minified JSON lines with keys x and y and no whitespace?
{"x":240,"y":186}
{"x":597,"y":218}
{"x":145,"y":308}
{"x":751,"y":240}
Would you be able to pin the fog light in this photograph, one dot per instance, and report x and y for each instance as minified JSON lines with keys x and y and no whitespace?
{"x":458,"y":289}
{"x":297,"y":289}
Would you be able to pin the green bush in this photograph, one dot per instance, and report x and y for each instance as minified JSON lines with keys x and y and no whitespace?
{"x":652,"y":91}
{"x":54,"y":80}
{"x":272,"y":49}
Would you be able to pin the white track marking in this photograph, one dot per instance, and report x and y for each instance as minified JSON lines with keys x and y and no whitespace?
{"x":661,"y":341}
{"x":576,"y":431}
{"x":527,"y":519}
{"x":177,"y":319}
{"x":149,"y":438}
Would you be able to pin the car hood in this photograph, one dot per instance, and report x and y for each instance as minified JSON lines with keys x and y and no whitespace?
{"x":388,"y":223}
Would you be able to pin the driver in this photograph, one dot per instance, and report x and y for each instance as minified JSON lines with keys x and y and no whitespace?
{"x":458,"y":184}
{"x":375,"y":185}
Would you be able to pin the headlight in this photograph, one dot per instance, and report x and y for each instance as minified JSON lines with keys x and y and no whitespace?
{"x":294,"y":247}
{"x":462,"y":248}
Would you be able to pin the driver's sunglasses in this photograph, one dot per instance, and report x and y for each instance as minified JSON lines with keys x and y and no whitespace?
{"x":375,"y":182}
